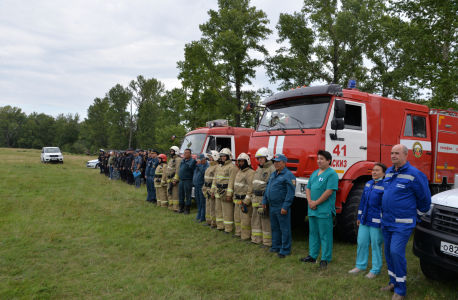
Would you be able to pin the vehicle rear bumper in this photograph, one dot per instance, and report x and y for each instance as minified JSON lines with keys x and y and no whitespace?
{"x":426,"y":245}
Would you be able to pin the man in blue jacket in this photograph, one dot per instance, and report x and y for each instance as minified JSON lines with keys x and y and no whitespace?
{"x":151,"y":166}
{"x":198,"y":181}
{"x":278,"y":196}
{"x":187,"y":166}
{"x":406,"y":195}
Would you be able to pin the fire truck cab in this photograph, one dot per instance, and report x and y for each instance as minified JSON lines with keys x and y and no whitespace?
{"x":217,"y":135}
{"x":358,"y":129}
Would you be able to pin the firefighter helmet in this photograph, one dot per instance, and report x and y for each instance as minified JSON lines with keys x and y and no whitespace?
{"x":214,"y":154}
{"x":245,"y":157}
{"x":264,"y":152}
{"x":176,"y":149}
{"x":226,"y":151}
{"x":163,"y":157}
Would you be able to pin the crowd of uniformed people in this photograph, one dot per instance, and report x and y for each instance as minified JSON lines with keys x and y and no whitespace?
{"x":255,"y":206}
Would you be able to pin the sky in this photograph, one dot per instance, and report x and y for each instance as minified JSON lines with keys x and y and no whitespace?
{"x":57,"y":56}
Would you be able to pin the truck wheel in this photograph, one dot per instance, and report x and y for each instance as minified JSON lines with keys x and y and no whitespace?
{"x":435,"y":272}
{"x":346,"y":220}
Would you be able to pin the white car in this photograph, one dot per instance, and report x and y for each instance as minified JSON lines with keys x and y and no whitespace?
{"x":93,"y":164}
{"x":51,"y":154}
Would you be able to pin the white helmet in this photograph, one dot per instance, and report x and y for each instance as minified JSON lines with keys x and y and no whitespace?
{"x":226,"y":151}
{"x":264,"y":152}
{"x":214,"y":154}
{"x":245,"y":157}
{"x":176,"y":149}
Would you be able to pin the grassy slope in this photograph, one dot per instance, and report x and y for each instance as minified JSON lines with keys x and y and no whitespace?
{"x":67,"y":232}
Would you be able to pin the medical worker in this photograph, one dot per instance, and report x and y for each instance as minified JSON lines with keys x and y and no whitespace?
{"x":321,"y":196}
{"x":369,"y":232}
{"x":279,"y":194}
{"x":406,"y":196}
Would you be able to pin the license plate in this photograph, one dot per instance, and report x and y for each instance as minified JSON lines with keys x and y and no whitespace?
{"x":449,"y":249}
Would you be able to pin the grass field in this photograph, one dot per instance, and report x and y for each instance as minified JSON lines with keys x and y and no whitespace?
{"x":67,"y":232}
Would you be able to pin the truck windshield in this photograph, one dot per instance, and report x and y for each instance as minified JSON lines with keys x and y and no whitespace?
{"x":195,"y":142}
{"x":302,"y":113}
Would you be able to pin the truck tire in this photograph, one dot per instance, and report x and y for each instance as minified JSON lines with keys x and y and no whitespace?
{"x":435,"y":272}
{"x":346,"y":220}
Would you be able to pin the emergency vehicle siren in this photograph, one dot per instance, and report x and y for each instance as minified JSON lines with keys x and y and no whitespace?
{"x":352,"y":83}
{"x":217,"y":123}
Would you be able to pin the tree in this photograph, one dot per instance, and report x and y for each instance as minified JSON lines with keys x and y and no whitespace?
{"x":222,"y":59}
{"x":147,"y":95}
{"x":96,"y":122}
{"x":432,"y":46}
{"x":326,"y":42}
{"x":117,"y":116}
{"x":11,"y":121}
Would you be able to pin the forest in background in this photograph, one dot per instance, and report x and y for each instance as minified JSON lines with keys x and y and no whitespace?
{"x":394,"y":48}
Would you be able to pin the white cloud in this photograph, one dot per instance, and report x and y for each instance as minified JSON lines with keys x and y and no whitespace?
{"x":57,"y":56}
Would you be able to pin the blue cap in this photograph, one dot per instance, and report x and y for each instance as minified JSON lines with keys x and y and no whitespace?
{"x":280,"y":157}
{"x":200,"y":156}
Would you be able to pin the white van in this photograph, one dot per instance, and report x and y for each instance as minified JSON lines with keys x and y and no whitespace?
{"x":51,"y":154}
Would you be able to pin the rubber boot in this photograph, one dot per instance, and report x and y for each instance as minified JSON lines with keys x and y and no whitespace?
{"x":187,"y":210}
{"x":181,"y":208}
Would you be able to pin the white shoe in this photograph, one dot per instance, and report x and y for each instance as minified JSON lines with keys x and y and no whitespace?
{"x":355,"y":271}
{"x":370,"y":275}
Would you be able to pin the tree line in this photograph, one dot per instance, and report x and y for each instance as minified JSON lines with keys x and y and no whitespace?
{"x":394,"y":48}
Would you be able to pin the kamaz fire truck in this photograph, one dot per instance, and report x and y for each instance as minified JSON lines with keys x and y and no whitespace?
{"x":358,"y":129}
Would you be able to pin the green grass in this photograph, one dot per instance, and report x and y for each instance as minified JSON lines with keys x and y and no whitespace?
{"x":67,"y":232}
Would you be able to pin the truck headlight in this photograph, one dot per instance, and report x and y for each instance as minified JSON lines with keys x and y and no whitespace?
{"x":427,"y":215}
{"x":303,"y":188}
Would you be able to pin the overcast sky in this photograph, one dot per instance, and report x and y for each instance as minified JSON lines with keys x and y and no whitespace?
{"x":57,"y":56}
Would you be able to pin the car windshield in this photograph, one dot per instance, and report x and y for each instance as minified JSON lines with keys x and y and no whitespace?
{"x":52,"y":150}
{"x":195,"y":142}
{"x":302,"y":113}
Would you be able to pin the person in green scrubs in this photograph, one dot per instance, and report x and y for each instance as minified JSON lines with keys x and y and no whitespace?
{"x":321,"y":197}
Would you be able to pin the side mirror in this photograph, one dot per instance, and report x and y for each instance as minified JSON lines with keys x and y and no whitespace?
{"x":338,"y":124}
{"x":339,"y":109}
{"x":249,"y":107}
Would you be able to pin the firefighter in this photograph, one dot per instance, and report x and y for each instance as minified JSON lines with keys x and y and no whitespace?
{"x":406,"y":193}
{"x":160,"y":180}
{"x":279,"y":194}
{"x":173,"y":171}
{"x":100,"y":158}
{"x":369,"y":232}
{"x":261,"y":232}
{"x":210,"y":213}
{"x":321,"y":197}
{"x":243,"y":209}
{"x":222,"y":190}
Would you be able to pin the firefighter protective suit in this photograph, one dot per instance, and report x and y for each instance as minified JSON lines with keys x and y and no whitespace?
{"x":173,"y":169}
{"x":243,"y":209}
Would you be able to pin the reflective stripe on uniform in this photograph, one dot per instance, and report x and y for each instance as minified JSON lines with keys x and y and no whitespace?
{"x":267,"y":235}
{"x":246,"y":227}
{"x":259,"y":181}
{"x":401,"y":279}
{"x":409,"y":221}
{"x":228,"y":222}
{"x":219,"y":220}
{"x":368,"y":185}
{"x":420,"y":213}
{"x":255,"y":204}
{"x":376,"y":220}
{"x":238,"y":224}
{"x":406,"y":176}
{"x":209,"y":178}
{"x":389,"y":175}
{"x":230,"y":190}
{"x":256,"y":233}
{"x":360,"y":212}
{"x":221,"y":177}
{"x":378,"y":187}
{"x":239,"y":184}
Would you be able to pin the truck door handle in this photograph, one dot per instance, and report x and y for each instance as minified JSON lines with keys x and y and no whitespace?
{"x":363,"y":148}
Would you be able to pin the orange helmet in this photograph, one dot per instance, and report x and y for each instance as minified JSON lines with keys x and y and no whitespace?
{"x":163,"y":157}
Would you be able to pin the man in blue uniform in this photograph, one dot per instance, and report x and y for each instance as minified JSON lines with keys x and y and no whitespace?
{"x":279,"y":195}
{"x":187,"y":166}
{"x":406,"y":195}
{"x":198,"y":181}
{"x":136,"y":165}
{"x":149,"y":175}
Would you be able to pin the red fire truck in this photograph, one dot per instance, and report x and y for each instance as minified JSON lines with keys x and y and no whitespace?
{"x":217,"y":135}
{"x":358,"y":129}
